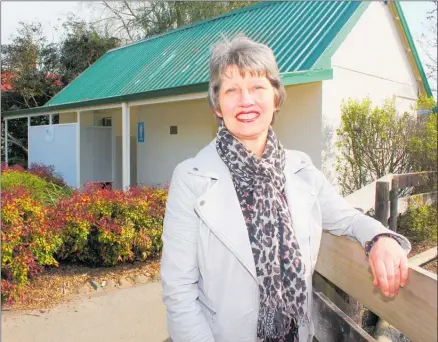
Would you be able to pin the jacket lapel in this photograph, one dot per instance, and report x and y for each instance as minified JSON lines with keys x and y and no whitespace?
{"x":219,"y":207}
{"x":300,"y":197}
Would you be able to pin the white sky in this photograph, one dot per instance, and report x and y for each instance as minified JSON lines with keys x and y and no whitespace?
{"x":52,"y":13}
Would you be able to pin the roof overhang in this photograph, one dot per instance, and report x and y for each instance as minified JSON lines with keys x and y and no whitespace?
{"x":411,"y":51}
{"x":288,"y":79}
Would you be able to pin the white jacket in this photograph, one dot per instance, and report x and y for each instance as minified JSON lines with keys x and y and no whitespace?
{"x":207,"y":270}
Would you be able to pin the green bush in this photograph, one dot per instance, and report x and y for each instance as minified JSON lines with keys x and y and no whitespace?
{"x":30,"y":238}
{"x":421,"y":221}
{"x":43,"y":223}
{"x":105,"y":227}
{"x":39,"y":189}
{"x":372,"y":142}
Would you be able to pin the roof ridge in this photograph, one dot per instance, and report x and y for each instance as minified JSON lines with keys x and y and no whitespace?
{"x":198,"y":23}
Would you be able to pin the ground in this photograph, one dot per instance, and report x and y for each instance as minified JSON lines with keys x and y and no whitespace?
{"x":134,"y":314}
{"x":63,"y":283}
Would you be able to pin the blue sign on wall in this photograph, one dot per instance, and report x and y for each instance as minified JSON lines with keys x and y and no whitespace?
{"x":140,"y":132}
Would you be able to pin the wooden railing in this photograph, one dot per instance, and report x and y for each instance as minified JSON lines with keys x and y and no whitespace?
{"x":413,"y":311}
{"x":343,"y":263}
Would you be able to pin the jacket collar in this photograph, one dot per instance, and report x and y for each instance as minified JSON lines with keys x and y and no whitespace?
{"x":220,"y":210}
{"x":207,"y":162}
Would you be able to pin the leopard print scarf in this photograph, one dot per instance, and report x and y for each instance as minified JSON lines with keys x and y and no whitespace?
{"x":278,"y":261}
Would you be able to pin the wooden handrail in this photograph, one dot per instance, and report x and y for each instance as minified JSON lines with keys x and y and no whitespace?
{"x":413,"y":311}
{"x":407,"y":180}
{"x":424,"y":257}
{"x":364,"y":197}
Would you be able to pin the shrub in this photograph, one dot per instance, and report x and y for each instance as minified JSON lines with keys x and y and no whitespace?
{"x":372,"y":142}
{"x":421,"y":221}
{"x":39,"y":189}
{"x":74,"y":216}
{"x":47,"y":173}
{"x":104,"y":227}
{"x":30,"y":237}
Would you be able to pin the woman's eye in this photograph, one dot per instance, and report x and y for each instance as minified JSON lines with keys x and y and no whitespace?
{"x":257,"y":87}
{"x":230,"y":90}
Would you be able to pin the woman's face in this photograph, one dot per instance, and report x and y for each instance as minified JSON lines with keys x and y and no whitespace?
{"x":247,"y":104}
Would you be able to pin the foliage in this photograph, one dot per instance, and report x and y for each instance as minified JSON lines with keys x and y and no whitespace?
{"x":422,"y":146}
{"x":82,"y":46}
{"x":372,"y":142}
{"x":31,"y":65}
{"x":97,"y":226}
{"x":36,"y":70}
{"x":47,"y":173}
{"x":104,"y":227}
{"x":30,"y":237}
{"x":421,"y":221}
{"x":136,"y":20}
{"x":39,"y":189}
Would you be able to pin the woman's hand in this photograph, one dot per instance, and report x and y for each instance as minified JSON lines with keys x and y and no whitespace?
{"x":389,"y":265}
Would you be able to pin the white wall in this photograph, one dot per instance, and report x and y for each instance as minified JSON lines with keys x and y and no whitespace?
{"x":96,"y":154}
{"x":370,"y":62}
{"x":161,"y":152}
{"x":298,"y":124}
{"x":55,"y":145}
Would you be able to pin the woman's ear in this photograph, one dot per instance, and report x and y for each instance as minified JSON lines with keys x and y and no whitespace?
{"x":218,"y":113}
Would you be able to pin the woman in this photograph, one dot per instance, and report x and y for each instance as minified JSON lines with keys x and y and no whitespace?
{"x":244,"y":218}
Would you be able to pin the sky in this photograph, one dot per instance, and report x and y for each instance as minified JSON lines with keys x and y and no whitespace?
{"x":52,"y":13}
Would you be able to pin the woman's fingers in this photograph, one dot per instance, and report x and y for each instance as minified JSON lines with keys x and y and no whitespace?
{"x":373,"y":271}
{"x":382,"y":277}
{"x":404,"y":270}
{"x":397,"y":278}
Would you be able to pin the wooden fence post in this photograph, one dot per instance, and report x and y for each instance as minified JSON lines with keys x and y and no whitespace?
{"x":382,"y":202}
{"x":393,"y":205}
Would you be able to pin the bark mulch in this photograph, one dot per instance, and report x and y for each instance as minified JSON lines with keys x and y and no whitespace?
{"x":61,"y":284}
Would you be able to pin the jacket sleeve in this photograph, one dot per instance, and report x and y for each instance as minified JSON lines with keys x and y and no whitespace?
{"x":340,"y":218}
{"x":179,"y":266}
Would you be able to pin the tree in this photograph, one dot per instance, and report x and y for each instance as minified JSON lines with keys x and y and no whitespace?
{"x":34,"y":71}
{"x":81,"y":46}
{"x":134,"y":20}
{"x":423,"y":144}
{"x":372,"y":142}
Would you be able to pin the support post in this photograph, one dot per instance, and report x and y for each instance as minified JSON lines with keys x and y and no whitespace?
{"x":6,"y":143}
{"x":126,"y":146}
{"x":393,"y":205}
{"x":78,"y":150}
{"x":382,"y":202}
{"x":28,"y":141}
{"x":50,"y":119}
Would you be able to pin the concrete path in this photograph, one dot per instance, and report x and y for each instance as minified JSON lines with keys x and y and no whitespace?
{"x":134,"y":314}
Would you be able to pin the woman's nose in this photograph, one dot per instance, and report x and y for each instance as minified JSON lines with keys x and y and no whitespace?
{"x":246,"y":99}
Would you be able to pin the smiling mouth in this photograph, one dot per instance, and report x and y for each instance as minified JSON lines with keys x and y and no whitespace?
{"x":247,"y":117}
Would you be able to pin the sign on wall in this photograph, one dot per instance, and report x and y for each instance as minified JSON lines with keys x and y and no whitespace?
{"x":140,"y":132}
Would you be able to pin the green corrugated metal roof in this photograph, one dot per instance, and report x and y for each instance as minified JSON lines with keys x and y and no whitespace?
{"x":298,"y":33}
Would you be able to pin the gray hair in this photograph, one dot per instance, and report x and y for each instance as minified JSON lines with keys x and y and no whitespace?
{"x":249,"y":56}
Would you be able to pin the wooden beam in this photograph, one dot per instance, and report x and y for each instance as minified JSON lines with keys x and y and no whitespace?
{"x":413,"y":311}
{"x":424,"y":257}
{"x":333,"y":325}
{"x":364,"y":198}
{"x":382,"y":202}
{"x":393,"y":208}
{"x":414,"y":179}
